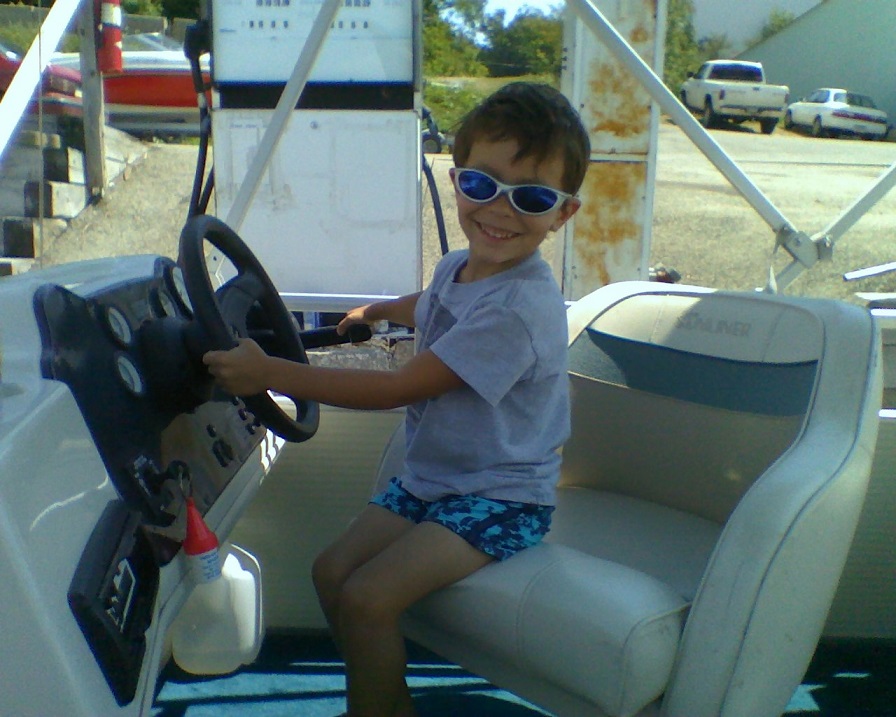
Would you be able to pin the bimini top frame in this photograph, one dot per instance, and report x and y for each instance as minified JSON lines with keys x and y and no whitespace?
{"x":804,"y":250}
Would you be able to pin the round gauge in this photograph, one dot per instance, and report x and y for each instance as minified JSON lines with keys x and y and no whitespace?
{"x":130,"y":374}
{"x":119,"y":326}
{"x":165,"y":303}
{"x":179,"y":287}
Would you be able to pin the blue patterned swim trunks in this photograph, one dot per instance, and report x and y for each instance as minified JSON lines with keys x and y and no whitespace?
{"x":499,"y":528}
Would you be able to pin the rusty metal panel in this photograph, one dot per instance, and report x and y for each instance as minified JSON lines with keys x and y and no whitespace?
{"x":609,"y":239}
{"x":607,"y":227}
{"x":614,"y":106}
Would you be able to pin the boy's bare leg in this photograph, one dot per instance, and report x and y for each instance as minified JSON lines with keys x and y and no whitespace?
{"x":368,"y":534}
{"x":421,"y":560}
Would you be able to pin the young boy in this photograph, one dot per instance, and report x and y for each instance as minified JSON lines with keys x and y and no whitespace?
{"x":486,"y":392}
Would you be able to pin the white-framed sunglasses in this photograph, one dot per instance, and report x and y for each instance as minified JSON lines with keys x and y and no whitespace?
{"x":532,"y":199}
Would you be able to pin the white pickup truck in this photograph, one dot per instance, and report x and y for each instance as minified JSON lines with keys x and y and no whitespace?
{"x":735,"y":90}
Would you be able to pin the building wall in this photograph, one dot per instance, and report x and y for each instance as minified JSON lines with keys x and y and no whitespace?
{"x":839,"y":43}
{"x":741,"y":20}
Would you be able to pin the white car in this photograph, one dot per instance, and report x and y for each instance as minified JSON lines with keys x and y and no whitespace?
{"x":832,"y":112}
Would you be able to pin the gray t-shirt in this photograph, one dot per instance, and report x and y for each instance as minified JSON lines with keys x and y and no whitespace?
{"x":498,"y":436}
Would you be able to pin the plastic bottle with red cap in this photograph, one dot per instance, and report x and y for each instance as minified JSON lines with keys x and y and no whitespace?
{"x":218,"y":627}
{"x":201,"y":547}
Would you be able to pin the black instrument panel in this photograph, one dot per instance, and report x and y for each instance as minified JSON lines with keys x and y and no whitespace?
{"x":130,"y":353}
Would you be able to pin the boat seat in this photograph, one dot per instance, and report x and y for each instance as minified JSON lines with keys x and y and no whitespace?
{"x":720,"y":452}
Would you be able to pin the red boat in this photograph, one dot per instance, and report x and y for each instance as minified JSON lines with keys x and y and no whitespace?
{"x":60,"y":86}
{"x":154,"y":92}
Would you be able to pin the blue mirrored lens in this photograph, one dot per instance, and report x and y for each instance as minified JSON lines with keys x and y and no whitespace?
{"x":477,"y":186}
{"x":534,"y":199}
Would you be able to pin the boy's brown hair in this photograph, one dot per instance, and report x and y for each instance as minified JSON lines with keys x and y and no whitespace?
{"x":539,"y":118}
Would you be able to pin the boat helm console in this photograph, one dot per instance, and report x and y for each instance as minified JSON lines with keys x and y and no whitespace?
{"x":161,"y":432}
{"x":108,"y":421}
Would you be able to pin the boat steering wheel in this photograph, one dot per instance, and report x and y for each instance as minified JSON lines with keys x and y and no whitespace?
{"x":222,"y":316}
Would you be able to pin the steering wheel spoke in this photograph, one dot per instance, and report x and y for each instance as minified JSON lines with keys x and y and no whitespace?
{"x":236,"y":298}
{"x":222,"y":313}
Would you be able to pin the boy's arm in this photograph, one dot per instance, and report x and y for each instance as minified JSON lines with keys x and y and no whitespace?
{"x":397,"y":311}
{"x":247,"y":370}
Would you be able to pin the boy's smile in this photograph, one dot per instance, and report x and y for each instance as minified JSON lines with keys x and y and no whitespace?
{"x":501,"y":237}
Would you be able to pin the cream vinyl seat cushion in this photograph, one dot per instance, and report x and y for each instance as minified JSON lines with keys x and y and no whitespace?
{"x":595,"y":584}
{"x":513,"y":611}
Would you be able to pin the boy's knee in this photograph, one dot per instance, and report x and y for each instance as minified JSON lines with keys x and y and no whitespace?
{"x":363,"y":602}
{"x":324,"y":574}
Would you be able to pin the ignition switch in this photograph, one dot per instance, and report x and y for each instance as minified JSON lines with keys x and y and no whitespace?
{"x":161,"y":490}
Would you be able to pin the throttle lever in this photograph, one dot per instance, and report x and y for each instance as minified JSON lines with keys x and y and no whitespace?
{"x":327,"y":336}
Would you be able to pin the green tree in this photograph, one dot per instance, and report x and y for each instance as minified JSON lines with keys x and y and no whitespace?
{"x":447,"y":51}
{"x":715,"y":47}
{"x":682,"y":51}
{"x":777,"y":21}
{"x":532,"y":43}
{"x":181,"y":8}
{"x":466,"y":16}
{"x":141,"y":7}
{"x":450,"y":102}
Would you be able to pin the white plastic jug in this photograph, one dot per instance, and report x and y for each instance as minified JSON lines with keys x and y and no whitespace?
{"x":219,"y":627}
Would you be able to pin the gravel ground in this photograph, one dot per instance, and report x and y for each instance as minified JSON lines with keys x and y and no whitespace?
{"x":142,"y":212}
{"x":701,"y":227}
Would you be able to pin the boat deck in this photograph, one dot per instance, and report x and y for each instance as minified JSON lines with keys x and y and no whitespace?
{"x":302,"y":674}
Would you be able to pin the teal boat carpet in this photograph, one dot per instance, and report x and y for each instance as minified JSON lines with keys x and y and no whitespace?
{"x":301,"y":675}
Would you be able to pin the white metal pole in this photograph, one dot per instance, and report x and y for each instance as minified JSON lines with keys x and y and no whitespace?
{"x":857,"y":209}
{"x":18,"y":94}
{"x":829,"y":236}
{"x":282,"y":113}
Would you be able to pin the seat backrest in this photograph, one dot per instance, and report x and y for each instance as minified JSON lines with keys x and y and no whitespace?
{"x":758,"y":412}
{"x":685,"y":399}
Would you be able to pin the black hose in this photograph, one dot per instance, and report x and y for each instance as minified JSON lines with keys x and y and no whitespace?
{"x":198,"y":192}
{"x":207,"y":192}
{"x":196,"y":43}
{"x":437,"y":206}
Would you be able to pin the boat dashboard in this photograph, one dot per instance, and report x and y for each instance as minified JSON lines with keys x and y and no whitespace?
{"x":108,"y":421}
{"x":157,"y":423}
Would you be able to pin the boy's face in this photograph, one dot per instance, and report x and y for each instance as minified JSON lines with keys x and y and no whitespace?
{"x":501,"y":237}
